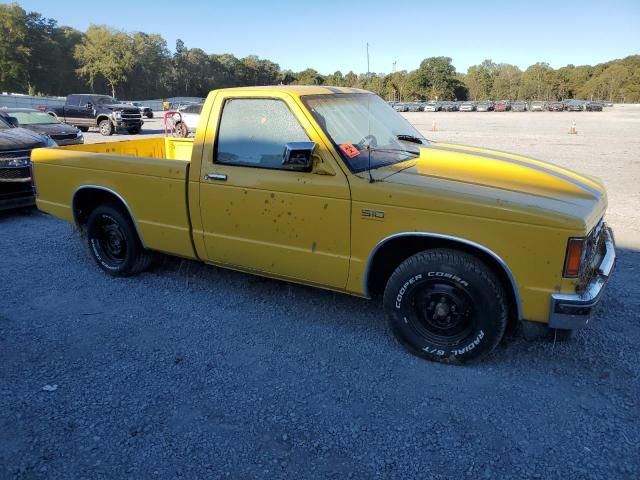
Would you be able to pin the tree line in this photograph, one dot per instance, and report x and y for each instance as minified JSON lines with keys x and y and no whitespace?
{"x":40,"y":57}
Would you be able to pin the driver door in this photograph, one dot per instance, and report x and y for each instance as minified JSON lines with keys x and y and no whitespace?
{"x":259,"y":217}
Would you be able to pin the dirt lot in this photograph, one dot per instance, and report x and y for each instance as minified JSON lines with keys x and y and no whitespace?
{"x":190,"y":371}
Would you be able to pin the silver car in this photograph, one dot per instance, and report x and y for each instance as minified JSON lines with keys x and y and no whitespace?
{"x":187,"y":120}
{"x":431,"y":107}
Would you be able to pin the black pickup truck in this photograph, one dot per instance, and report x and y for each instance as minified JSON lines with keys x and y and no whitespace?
{"x":16,"y":186}
{"x":90,"y":110}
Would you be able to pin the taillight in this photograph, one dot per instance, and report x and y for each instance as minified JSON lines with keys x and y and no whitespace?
{"x":573,"y":259}
{"x":33,"y":179}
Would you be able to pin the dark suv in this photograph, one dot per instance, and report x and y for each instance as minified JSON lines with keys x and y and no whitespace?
{"x":16,"y":186}
{"x":102,"y":111}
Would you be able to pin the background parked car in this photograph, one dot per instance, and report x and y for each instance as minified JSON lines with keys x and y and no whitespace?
{"x":145,"y":111}
{"x":593,"y":107}
{"x":467,"y":107}
{"x":400,"y":107}
{"x":432,"y":107}
{"x":449,"y":107}
{"x":188,"y":120}
{"x":519,"y":106}
{"x":16,"y":184}
{"x":44,"y":124}
{"x":538,"y":106}
{"x":414,"y":107}
{"x":555,"y":107}
{"x":575,"y":106}
{"x":485,"y":107}
{"x":502,"y":106}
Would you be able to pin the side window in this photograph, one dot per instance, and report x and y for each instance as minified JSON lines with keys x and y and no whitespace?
{"x":73,"y":101}
{"x":253,"y":132}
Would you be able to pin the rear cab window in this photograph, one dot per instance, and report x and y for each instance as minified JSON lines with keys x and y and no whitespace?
{"x":73,"y":100}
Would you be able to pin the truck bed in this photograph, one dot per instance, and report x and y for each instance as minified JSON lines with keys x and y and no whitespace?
{"x":135,"y":171}
{"x":166,"y":148}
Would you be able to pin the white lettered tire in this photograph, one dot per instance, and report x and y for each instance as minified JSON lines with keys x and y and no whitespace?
{"x":446,"y":305}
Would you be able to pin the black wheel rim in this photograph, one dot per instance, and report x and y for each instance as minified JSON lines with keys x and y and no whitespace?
{"x":111,"y":240}
{"x":443,"y":313}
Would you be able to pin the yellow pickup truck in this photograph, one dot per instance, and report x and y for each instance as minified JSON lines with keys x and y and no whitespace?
{"x":330,"y":187}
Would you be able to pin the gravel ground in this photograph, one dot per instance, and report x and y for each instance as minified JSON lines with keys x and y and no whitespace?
{"x":191,"y":371}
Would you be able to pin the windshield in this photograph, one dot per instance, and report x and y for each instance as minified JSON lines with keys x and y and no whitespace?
{"x":364,"y":128}
{"x":32,"y":118}
{"x":105,"y":101}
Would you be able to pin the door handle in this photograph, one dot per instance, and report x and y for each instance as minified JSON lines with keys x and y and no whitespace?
{"x":215,"y":176}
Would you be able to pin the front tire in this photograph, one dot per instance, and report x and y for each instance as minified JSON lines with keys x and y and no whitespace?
{"x":106,"y":127}
{"x":446,"y":306}
{"x":114,"y":243}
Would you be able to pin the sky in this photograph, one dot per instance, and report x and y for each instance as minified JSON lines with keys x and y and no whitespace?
{"x":331,"y":35}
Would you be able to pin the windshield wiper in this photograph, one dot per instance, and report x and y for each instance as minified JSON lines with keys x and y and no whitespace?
{"x":392,"y":150}
{"x":370,"y":149}
{"x":409,"y":138}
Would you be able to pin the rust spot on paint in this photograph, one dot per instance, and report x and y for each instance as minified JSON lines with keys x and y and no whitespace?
{"x":326,"y":205}
{"x":313,"y":247}
{"x":273,"y":195}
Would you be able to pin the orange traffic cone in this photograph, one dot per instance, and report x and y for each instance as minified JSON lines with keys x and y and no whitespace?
{"x":433,"y":127}
{"x":573,"y":130}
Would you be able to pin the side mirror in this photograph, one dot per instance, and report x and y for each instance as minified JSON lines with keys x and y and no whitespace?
{"x":13,"y":121}
{"x":298,"y":156}
{"x":89,"y":105}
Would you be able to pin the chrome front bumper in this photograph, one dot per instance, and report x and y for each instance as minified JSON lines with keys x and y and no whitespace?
{"x":573,"y":311}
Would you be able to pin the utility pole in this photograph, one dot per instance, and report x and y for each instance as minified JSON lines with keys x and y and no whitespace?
{"x":393,"y":67}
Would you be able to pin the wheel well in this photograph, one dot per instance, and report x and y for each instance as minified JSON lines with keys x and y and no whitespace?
{"x":396,"y":250}
{"x":52,"y":114}
{"x":87,"y":200}
{"x":101,"y":118}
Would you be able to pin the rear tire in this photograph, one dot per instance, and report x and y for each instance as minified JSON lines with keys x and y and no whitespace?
{"x":149,"y":115}
{"x":114,"y":243}
{"x":181,"y":130}
{"x":106,"y":127}
{"x":446,"y":306}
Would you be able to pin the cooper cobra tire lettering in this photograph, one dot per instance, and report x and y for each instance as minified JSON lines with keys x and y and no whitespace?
{"x":403,"y":289}
{"x":449,"y":276}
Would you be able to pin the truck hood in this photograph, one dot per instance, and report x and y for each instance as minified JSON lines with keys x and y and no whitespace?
{"x":20,"y":138}
{"x":52,"y":128}
{"x":511,"y":185}
{"x":121,"y":107}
